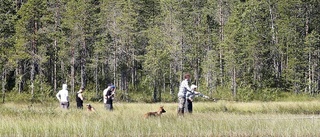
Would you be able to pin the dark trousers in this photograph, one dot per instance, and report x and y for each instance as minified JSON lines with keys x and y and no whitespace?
{"x":80,"y":105}
{"x":109,"y":106}
{"x":188,"y":107}
{"x":64,"y":105}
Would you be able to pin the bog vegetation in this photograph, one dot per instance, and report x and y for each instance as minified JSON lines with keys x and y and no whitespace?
{"x":220,"y":118}
{"x":263,"y":53}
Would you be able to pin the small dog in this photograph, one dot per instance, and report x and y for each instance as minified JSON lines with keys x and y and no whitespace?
{"x":157,"y":113}
{"x":90,"y":108}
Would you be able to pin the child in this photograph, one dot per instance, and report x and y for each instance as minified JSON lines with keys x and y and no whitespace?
{"x":189,"y":97}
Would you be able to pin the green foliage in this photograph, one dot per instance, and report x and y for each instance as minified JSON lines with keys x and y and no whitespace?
{"x":166,"y":97}
{"x":245,"y":94}
{"x":221,"y":93}
{"x":235,"y":50}
{"x":288,"y":96}
{"x":26,"y":98}
{"x":271,"y":94}
{"x":7,"y":18}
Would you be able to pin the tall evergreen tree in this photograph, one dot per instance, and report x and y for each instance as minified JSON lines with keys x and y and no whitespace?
{"x":28,"y":38}
{"x":7,"y":17}
{"x":78,"y":27}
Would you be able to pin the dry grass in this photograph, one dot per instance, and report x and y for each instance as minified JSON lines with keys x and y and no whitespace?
{"x":208,"y":119}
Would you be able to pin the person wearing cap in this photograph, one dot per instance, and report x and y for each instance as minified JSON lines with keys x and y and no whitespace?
{"x":108,"y":96}
{"x":63,"y":97}
{"x":79,"y":98}
{"x":183,"y":89}
{"x":189,"y":98}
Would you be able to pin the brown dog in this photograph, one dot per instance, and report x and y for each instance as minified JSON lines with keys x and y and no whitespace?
{"x":157,"y":113}
{"x":90,"y":108}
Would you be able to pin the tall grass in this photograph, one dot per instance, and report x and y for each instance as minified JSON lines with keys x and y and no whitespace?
{"x":208,"y":119}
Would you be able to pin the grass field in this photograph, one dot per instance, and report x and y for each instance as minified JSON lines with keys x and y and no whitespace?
{"x":209,"y":119}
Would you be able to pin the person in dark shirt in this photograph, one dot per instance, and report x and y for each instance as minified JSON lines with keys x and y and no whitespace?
{"x":108,"y":96}
{"x":79,"y":98}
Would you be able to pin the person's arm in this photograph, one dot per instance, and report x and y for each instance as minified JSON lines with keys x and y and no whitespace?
{"x":58,"y":95}
{"x":196,"y":93}
{"x":113,"y":94}
{"x":110,"y":93}
{"x":191,"y":97}
{"x":201,"y":95}
{"x":67,"y":95}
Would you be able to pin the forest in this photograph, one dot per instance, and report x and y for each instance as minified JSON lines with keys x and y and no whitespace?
{"x":241,"y":49}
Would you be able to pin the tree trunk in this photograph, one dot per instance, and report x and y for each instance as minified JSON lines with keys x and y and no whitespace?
{"x":19,"y":74}
{"x":164,"y":82}
{"x":32,"y":75}
{"x":55,"y":66}
{"x":159,"y":84}
{"x":276,"y":57}
{"x":83,"y":70}
{"x":133,"y":71}
{"x":171,"y":71}
{"x":96,"y":75}
{"x":72,"y":70}
{"x":4,"y":82}
{"x":170,"y":80}
{"x":221,"y":31}
{"x":181,"y":59}
{"x":115,"y":64}
{"x":309,"y":54}
{"x":41,"y":77}
{"x":33,"y":61}
{"x":234,"y":83}
{"x":124,"y":83}
{"x":155,"y":90}
{"x":210,"y":82}
{"x":64,"y":75}
{"x":57,"y":24}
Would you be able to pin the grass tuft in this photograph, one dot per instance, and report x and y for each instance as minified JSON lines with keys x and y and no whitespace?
{"x":220,"y":118}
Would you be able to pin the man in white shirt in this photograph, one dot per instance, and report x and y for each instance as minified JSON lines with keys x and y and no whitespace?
{"x":63,"y":97}
{"x":183,"y":89}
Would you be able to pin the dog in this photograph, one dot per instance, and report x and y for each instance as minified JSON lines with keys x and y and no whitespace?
{"x":90,"y":108}
{"x":155,"y":114}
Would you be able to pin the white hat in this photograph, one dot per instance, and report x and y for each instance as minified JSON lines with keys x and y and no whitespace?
{"x":193,"y":87}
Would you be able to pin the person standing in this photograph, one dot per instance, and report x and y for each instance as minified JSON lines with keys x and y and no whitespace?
{"x":189,"y":98}
{"x":183,"y":89}
{"x":63,"y":97}
{"x":79,"y":98}
{"x":108,"y":96}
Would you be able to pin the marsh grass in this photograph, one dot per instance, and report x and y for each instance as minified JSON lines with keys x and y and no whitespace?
{"x":208,"y":119}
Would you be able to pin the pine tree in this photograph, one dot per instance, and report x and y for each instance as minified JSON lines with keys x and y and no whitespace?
{"x":7,"y":17}
{"x":78,"y":27}
{"x":28,"y":39}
